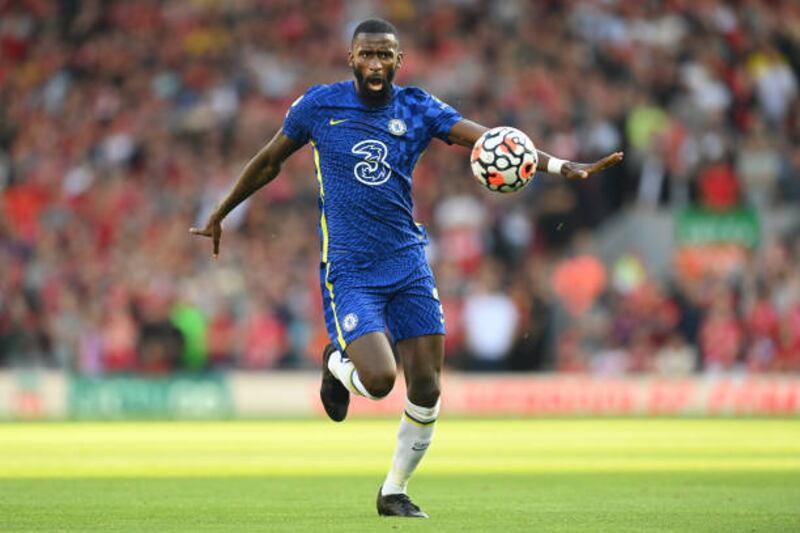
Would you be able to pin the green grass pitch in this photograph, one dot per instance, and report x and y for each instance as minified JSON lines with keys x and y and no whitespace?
{"x":585,"y":475}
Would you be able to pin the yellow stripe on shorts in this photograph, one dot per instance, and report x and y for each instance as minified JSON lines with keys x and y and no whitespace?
{"x":329,"y":286}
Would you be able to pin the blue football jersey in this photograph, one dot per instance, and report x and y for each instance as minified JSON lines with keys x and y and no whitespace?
{"x":364,"y":158}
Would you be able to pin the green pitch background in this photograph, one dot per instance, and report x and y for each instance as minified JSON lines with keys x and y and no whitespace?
{"x":607,"y":475}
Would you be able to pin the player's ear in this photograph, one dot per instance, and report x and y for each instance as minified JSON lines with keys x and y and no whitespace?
{"x":350,"y":59}
{"x":399,"y":58}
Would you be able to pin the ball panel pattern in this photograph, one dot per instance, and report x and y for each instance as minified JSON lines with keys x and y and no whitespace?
{"x":503,"y":159}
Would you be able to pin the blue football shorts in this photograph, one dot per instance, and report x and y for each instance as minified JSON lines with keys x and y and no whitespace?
{"x":395,"y":295}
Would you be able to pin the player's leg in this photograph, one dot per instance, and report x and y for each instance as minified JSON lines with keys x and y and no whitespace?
{"x":422,"y":366}
{"x":422,"y":359}
{"x":360,"y":359}
{"x":416,"y":321}
{"x":367,"y":367}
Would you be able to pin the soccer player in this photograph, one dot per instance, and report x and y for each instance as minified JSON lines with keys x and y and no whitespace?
{"x":367,"y":135}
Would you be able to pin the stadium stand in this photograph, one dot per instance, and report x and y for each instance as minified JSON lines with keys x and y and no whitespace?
{"x":122,"y":123}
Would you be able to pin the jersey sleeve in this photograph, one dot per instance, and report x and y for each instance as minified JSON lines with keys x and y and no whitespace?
{"x":440,"y":117}
{"x":300,"y":118}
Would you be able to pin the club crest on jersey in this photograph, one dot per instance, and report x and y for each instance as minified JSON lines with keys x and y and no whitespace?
{"x":397,"y":127}
{"x":350,"y":322}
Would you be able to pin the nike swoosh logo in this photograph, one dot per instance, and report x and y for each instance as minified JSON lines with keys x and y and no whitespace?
{"x":335,"y":122}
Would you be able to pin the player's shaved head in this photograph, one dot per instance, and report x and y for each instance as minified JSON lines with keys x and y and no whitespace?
{"x":375,"y":26}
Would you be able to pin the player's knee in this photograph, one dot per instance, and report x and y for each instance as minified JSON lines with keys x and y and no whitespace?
{"x":425,"y":392}
{"x":379,"y":384}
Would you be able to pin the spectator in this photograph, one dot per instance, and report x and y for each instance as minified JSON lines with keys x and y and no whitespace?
{"x":676,"y":358}
{"x":161,"y":345}
{"x":490,"y":321}
{"x":721,"y":335}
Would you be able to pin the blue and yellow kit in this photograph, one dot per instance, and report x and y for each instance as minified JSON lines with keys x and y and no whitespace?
{"x":373,"y":275}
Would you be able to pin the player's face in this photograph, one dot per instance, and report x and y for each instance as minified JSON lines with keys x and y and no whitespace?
{"x":374,"y":59}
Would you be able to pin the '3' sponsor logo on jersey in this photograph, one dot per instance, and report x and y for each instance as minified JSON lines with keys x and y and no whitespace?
{"x":373,"y":170}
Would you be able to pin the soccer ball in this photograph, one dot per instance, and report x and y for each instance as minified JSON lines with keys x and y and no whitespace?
{"x":504,"y":159}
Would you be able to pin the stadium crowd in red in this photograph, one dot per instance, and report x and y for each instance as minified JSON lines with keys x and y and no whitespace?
{"x":122,"y":123}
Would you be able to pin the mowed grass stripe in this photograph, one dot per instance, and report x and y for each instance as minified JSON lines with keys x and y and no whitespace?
{"x":481,"y":475}
{"x":320,"y":448}
{"x":591,"y":503}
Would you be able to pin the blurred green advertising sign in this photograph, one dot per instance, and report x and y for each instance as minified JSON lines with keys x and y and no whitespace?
{"x":132,"y":397}
{"x":696,"y":226}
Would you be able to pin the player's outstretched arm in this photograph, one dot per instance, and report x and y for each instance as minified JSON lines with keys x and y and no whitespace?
{"x":259,"y":171}
{"x":466,"y":133}
{"x":553,"y":165}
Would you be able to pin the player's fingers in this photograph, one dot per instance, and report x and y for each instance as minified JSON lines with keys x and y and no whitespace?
{"x":196,"y":231}
{"x":612,"y":159}
{"x":608,"y":161}
{"x":216,"y":238}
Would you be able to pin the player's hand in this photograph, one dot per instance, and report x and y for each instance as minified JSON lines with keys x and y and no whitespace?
{"x":584,"y":170}
{"x":213,"y":229}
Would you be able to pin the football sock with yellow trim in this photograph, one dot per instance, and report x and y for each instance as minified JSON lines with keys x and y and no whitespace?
{"x":413,"y":439}
{"x":345,"y":371}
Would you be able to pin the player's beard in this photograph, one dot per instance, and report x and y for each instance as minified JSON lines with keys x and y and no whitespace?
{"x":374,"y":98}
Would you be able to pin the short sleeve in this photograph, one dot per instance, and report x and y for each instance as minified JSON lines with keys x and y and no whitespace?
{"x":440,"y":117}
{"x":299,"y":119}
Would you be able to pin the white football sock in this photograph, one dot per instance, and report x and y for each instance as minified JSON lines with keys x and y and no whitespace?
{"x":413,"y":439}
{"x":345,"y":371}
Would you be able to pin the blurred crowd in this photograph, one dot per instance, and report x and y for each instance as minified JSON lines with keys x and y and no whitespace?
{"x":123,"y":123}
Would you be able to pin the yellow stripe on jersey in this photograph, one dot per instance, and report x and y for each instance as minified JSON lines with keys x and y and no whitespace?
{"x":329,"y":286}
{"x":319,"y":170}
{"x":414,"y":166}
{"x":323,"y":223}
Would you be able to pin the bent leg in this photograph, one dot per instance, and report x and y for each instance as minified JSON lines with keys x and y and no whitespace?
{"x":354,"y":317}
{"x":368,"y":367}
